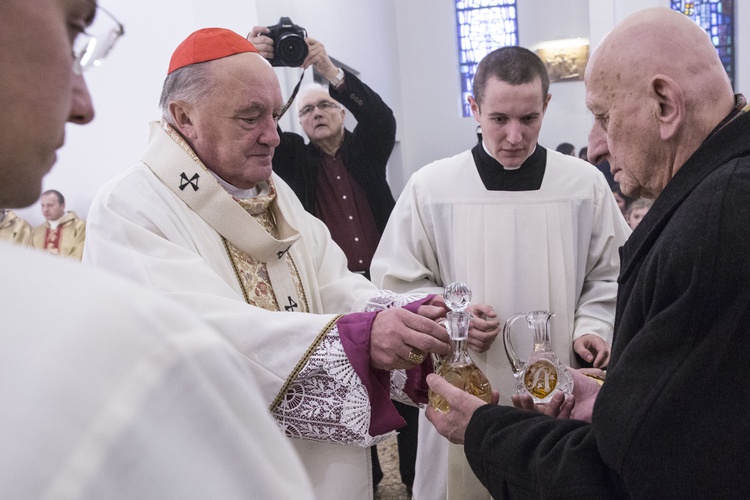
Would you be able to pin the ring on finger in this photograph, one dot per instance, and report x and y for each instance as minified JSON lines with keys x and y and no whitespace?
{"x":416,"y":356}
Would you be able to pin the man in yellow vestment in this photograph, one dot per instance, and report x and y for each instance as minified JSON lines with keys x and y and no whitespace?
{"x":13,"y":228}
{"x":63,"y":233}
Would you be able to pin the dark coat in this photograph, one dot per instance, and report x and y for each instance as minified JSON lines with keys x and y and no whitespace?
{"x":365,"y":151}
{"x":672,"y":419}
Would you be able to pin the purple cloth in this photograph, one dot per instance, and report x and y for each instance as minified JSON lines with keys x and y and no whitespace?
{"x":354,"y":331}
{"x":416,"y":382}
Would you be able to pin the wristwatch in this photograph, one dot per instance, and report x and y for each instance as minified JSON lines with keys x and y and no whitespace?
{"x":336,"y":81}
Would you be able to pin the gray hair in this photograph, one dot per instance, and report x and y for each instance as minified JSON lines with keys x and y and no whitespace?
{"x":306,"y":89}
{"x":189,"y":84}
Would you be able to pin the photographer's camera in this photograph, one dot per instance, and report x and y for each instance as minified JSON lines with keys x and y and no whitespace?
{"x":290,"y":47}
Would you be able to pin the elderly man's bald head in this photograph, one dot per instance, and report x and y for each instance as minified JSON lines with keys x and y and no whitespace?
{"x":660,"y":41}
{"x":657,"y":88}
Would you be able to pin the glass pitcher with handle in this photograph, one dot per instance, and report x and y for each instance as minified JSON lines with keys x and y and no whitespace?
{"x":542,"y":374}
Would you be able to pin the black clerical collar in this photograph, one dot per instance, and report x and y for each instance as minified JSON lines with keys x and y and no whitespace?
{"x":528,"y":177}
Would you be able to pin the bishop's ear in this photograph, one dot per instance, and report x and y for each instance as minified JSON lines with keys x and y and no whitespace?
{"x":669,"y":104}
{"x":182,"y":117}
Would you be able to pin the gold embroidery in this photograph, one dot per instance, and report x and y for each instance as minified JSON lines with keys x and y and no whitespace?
{"x":236,"y":271}
{"x":302,"y":362}
{"x":256,"y":287}
{"x":176,"y":137}
{"x":253,"y":275}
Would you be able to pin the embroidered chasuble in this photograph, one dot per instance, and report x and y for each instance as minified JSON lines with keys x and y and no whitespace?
{"x":14,"y":229}
{"x":168,"y":223}
{"x":67,"y":239}
{"x":255,"y":232}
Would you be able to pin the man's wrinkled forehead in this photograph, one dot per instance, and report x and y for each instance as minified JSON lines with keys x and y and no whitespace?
{"x":248,"y":73}
{"x":596,"y":80}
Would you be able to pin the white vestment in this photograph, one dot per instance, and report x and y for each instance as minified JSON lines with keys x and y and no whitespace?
{"x":553,"y":249}
{"x":111,"y":391}
{"x":142,"y":226}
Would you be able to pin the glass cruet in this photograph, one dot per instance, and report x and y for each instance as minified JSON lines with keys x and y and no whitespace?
{"x":542,"y":374}
{"x":457,"y":367}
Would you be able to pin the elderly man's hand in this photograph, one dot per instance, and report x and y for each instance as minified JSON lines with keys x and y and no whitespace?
{"x":452,"y":425}
{"x":484,"y":327}
{"x":578,"y":405}
{"x":592,"y":349}
{"x":402,"y":339}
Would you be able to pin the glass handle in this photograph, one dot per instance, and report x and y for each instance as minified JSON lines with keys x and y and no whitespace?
{"x":510,"y":351}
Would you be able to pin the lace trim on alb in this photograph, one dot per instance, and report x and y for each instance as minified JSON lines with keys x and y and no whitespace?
{"x":327,"y":400}
{"x":385,"y":299}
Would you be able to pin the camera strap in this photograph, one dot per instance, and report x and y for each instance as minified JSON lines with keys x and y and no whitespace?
{"x":294,"y":94}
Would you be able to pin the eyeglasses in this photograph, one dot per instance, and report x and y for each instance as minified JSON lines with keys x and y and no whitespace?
{"x":97,"y":40}
{"x":322,"y":105}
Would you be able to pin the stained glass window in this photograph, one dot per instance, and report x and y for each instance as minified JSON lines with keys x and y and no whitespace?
{"x":483,"y":26}
{"x":717,"y":18}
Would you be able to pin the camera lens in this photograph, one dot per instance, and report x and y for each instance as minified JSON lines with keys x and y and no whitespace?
{"x":291,"y":49}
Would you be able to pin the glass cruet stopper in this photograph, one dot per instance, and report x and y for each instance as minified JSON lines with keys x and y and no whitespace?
{"x":457,"y":296}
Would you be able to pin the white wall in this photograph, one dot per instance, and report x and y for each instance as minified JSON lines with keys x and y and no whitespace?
{"x":431,"y":122}
{"x":405,"y":50}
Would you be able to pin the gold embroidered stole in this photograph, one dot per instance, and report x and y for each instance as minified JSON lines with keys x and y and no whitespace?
{"x":260,"y":258}
{"x":253,"y":275}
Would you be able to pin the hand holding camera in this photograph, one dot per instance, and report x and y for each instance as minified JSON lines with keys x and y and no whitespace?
{"x":283,"y":44}
{"x":286,"y":44}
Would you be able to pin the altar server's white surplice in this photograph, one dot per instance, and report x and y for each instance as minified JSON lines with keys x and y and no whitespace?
{"x":555,"y":248}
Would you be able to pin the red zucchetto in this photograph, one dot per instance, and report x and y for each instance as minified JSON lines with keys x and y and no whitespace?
{"x":208,"y":44}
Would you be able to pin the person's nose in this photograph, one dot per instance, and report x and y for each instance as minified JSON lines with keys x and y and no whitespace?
{"x":598,"y":150}
{"x":270,"y":134}
{"x":317,"y":111}
{"x":81,"y":109}
{"x":514,"y":133}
